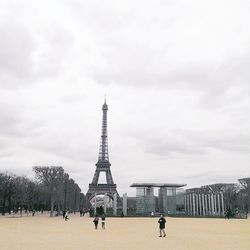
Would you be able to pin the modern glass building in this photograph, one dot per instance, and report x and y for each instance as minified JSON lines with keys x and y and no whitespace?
{"x":147,"y":202}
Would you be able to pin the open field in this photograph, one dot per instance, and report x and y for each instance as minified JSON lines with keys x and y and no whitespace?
{"x":42,"y":232}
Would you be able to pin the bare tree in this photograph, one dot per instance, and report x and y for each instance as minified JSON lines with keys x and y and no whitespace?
{"x":6,"y":190}
{"x":245,"y":192}
{"x":65,"y":190}
{"x":52,"y":178}
{"x":53,"y":188}
{"x":229,"y":190}
{"x":20,"y":197}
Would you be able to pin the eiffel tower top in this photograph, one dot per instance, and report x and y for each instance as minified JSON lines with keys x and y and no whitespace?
{"x":103,"y":156}
{"x":105,"y":106}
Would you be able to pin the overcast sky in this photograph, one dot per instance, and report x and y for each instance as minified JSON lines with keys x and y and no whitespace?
{"x":176,"y":74}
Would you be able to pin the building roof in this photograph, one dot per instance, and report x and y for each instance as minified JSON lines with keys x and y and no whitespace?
{"x":157,"y":185}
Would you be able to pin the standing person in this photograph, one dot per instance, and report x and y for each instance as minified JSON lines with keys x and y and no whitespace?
{"x":96,"y":219}
{"x":103,"y":221}
{"x":162,"y":222}
{"x":63,"y":214}
{"x":228,"y":213}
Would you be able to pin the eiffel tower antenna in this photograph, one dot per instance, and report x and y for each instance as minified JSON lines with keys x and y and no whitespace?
{"x":103,"y":164}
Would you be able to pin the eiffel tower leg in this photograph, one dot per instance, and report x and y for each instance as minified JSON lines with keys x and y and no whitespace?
{"x":105,"y":203}
{"x":95,"y":203}
{"x":96,"y":177}
{"x":109,"y":177}
{"x":115,"y":204}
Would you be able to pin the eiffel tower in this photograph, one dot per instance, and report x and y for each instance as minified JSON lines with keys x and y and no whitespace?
{"x":103,"y":165}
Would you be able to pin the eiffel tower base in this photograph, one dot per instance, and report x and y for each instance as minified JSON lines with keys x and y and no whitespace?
{"x":101,"y":189}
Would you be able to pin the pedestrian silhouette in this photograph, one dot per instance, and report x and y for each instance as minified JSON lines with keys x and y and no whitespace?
{"x":162,"y":222}
{"x":103,"y":221}
{"x":96,"y":219}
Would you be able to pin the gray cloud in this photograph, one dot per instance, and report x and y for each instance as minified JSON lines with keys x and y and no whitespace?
{"x":212,"y":82}
{"x":176,"y":74}
{"x":16,"y":51}
{"x":27,"y":58}
{"x":52,"y":49}
{"x":186,"y":142}
{"x":14,"y":124}
{"x":176,"y":51}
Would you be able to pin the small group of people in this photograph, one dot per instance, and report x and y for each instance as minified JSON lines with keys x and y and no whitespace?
{"x":65,"y":215}
{"x":162,"y":223}
{"x":96,"y":221}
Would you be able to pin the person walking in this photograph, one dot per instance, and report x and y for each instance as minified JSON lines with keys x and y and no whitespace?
{"x":96,"y":219}
{"x":103,"y":221}
{"x":63,"y":214}
{"x":162,"y":222}
{"x":66,"y":216}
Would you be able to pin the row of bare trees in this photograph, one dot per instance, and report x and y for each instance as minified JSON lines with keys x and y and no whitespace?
{"x":52,"y":190}
{"x":236,"y":195}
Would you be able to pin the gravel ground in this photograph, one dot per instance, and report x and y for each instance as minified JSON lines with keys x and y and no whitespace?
{"x":42,"y":232}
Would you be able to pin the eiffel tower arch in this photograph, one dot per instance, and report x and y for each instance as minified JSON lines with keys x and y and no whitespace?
{"x":103,"y":165}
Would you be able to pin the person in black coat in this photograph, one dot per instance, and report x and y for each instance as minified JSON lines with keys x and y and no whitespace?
{"x":103,"y":221}
{"x":162,"y":222}
{"x":63,"y":214}
{"x":96,"y":219}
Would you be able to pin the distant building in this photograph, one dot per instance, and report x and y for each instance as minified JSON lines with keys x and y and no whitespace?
{"x":131,"y":203}
{"x":180,"y":208}
{"x":166,"y":202}
{"x":210,"y":200}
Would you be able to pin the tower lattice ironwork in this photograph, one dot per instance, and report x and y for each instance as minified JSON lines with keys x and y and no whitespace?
{"x":103,"y":164}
